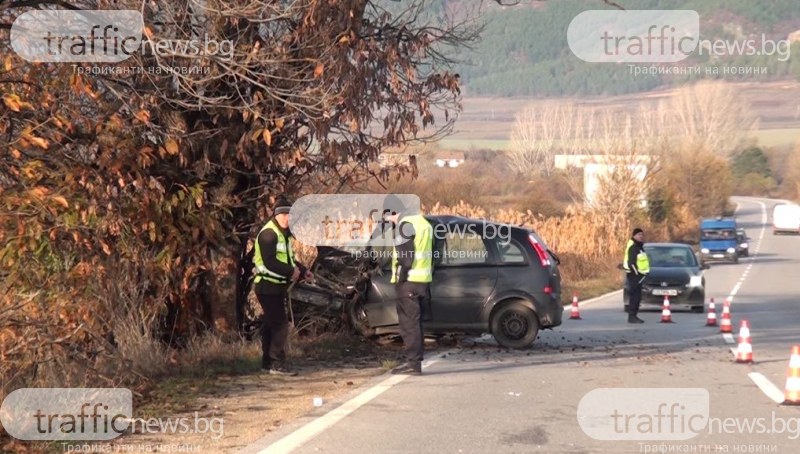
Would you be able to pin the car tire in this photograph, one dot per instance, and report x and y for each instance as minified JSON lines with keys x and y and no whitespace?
{"x":515,"y":325}
{"x":698,"y":309}
{"x":357,"y":317}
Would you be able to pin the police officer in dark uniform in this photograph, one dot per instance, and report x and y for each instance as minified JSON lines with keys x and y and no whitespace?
{"x":636,"y":265}
{"x":275,"y":269}
{"x":412,"y":273}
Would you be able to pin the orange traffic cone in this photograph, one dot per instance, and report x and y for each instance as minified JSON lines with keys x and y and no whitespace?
{"x":666,"y":314}
{"x":574,"y":313}
{"x":725,"y":325}
{"x":792,"y":389}
{"x":744,"y":352}
{"x":711,"y":320}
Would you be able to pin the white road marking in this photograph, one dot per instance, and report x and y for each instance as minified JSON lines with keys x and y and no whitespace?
{"x":767,"y":387}
{"x":568,"y":307}
{"x":735,"y":290}
{"x":299,"y":437}
{"x":302,"y":435}
{"x":763,"y":383}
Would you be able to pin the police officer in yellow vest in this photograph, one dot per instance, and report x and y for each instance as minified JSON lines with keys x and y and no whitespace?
{"x":636,"y":265}
{"x":275,"y":269}
{"x":412,"y":273}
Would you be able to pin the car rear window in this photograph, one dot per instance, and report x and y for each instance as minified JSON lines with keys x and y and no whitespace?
{"x":511,"y":252}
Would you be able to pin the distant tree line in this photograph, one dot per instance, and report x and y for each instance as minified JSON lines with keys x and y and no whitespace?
{"x":524,"y":51}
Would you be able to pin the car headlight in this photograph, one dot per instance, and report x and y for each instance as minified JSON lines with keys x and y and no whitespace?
{"x":696,"y":281}
{"x":731,"y":250}
{"x":704,"y":251}
{"x":743,"y":245}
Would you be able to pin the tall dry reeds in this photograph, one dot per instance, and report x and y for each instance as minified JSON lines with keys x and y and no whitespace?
{"x":589,"y":243}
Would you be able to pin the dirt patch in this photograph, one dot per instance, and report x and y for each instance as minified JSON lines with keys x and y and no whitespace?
{"x":224,"y":406}
{"x":226,"y":412}
{"x":246,"y":408}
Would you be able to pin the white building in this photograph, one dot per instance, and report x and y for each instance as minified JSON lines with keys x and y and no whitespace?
{"x":594,"y":175}
{"x":597,"y":168}
{"x":450,"y":159}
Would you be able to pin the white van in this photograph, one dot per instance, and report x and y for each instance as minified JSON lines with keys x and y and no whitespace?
{"x":786,"y":218}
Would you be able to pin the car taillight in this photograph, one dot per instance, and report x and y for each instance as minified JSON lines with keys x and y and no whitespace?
{"x":540,"y":251}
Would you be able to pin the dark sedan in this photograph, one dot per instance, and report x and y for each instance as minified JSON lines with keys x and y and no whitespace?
{"x":742,"y":243}
{"x":487,"y":277}
{"x":674,"y":272}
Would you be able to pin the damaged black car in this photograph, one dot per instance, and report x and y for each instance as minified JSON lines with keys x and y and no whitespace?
{"x":488,"y":277}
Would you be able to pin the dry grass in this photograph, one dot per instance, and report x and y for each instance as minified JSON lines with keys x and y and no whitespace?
{"x":585,"y":241}
{"x":589,"y":244}
{"x":137,"y":345}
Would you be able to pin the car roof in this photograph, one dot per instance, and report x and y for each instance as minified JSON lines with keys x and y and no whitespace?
{"x":451,"y":219}
{"x":448,"y":219}
{"x":668,"y":245}
{"x":717,"y":223}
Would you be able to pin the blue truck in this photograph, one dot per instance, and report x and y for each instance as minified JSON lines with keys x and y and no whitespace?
{"x":718,"y":241}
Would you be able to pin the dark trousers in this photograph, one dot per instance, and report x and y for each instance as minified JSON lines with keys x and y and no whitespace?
{"x":411,"y":296}
{"x":634,"y":292}
{"x":274,"y":328}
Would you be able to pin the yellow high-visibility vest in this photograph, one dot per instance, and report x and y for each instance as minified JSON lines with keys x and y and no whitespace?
{"x":422,"y":265}
{"x":642,"y":262}
{"x":283,"y":252}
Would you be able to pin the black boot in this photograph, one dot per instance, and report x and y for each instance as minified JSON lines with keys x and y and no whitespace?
{"x":634,"y":319}
{"x":409,"y":368}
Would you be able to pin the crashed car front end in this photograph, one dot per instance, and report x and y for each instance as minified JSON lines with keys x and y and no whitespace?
{"x":338,"y":291}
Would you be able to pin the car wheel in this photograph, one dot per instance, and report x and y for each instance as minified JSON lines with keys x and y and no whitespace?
{"x":515,"y":326}
{"x":357,"y":317}
{"x":698,"y":309}
{"x":736,"y":260}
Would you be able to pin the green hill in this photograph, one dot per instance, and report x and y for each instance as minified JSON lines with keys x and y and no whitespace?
{"x":524,"y":51}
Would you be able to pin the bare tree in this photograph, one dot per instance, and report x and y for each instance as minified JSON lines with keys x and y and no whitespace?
{"x":618,"y":149}
{"x":618,"y":178}
{"x":539,"y":132}
{"x":710,"y":115}
{"x":705,"y":117}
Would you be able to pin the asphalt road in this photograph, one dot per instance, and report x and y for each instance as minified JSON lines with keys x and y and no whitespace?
{"x":482,"y":399}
